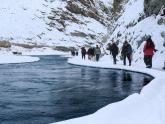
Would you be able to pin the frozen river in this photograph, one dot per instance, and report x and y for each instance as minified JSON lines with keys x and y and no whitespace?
{"x":51,"y":90}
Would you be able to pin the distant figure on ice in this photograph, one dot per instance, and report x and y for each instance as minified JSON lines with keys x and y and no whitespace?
{"x":114,"y":51}
{"x":126,"y":52}
{"x":83,"y":52}
{"x":149,"y":49}
{"x":97,"y":53}
{"x":76,"y":53}
{"x":72,"y":52}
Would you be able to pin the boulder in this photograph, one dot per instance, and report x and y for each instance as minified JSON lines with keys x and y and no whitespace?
{"x":5,"y":44}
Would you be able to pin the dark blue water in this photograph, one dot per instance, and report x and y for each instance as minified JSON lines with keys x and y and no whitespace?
{"x":52,"y":90}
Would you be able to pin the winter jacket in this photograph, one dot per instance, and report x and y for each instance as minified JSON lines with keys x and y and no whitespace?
{"x":130,"y":49}
{"x":126,"y":49}
{"x":148,"y":49}
{"x":97,"y":51}
{"x":90,"y":51}
{"x":114,"y":49}
{"x":83,"y":50}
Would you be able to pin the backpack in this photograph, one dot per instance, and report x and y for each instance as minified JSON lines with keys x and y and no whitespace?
{"x":130,"y":49}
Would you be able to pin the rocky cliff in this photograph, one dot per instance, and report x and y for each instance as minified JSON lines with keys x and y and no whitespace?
{"x":54,"y":22}
{"x":153,"y":6}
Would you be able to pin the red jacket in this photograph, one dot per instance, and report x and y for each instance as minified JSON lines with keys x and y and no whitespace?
{"x":148,"y":50}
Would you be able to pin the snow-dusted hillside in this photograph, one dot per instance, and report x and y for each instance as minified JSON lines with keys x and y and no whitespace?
{"x":49,"y":22}
{"x":79,"y":22}
{"x":134,"y":25}
{"x":75,"y":23}
{"x":147,"y":107}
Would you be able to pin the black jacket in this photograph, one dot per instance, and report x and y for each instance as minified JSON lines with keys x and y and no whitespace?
{"x":114,"y":49}
{"x":126,"y":49}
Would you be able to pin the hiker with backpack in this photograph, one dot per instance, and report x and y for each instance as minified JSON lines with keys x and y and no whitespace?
{"x":90,"y":52}
{"x":126,"y":52}
{"x":149,"y":49}
{"x":114,"y":51}
{"x":109,"y":47}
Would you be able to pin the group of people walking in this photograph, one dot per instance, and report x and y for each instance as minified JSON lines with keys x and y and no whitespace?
{"x":126,"y":52}
{"x":74,"y":53}
{"x":92,"y":52}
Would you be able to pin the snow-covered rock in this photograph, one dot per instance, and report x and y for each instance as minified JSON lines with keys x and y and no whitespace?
{"x":134,"y":25}
{"x":51,"y":22}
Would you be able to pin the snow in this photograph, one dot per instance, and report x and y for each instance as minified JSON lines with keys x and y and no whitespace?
{"x":6,"y":55}
{"x":129,"y":25}
{"x":148,"y":107}
{"x":133,"y":8}
{"x":8,"y":59}
{"x":26,"y":21}
{"x":22,"y":20}
{"x":107,"y":2}
{"x":43,"y":51}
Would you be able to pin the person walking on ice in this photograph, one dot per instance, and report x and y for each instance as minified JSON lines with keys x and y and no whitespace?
{"x":83,"y":52}
{"x":114,"y":51}
{"x":126,"y":52}
{"x":97,"y":53}
{"x":149,"y":49}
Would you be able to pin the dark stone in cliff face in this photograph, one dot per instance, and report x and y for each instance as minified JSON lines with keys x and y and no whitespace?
{"x":87,"y":2}
{"x":86,"y":10}
{"x":5,"y":44}
{"x":153,"y":6}
{"x":74,"y":8}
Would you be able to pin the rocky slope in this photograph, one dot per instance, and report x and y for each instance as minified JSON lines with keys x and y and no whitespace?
{"x":136,"y":23}
{"x":153,"y":6}
{"x":54,"y":22}
{"x":73,"y":23}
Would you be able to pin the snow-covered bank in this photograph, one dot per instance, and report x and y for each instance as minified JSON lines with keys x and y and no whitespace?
{"x":6,"y":59}
{"x":148,"y":107}
{"x":33,"y":51}
{"x":43,"y":51}
{"x":6,"y":54}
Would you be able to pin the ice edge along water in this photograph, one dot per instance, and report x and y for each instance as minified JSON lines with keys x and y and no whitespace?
{"x":13,"y":59}
{"x":148,"y":107}
{"x":28,"y":55}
